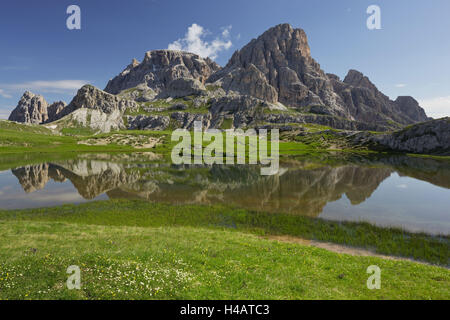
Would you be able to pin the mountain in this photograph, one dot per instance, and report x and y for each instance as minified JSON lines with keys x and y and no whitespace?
{"x":278,"y":67}
{"x":272,"y":81}
{"x":160,"y":68}
{"x":94,"y":109}
{"x":366,"y":103}
{"x":31,"y":108}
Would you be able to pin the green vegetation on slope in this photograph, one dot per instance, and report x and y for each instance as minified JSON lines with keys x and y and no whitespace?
{"x":20,"y":138}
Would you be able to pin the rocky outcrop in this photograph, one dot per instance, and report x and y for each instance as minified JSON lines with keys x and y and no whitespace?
{"x":143,"y":122}
{"x":431,"y":137}
{"x":183,"y":87}
{"x":244,"y":110}
{"x":161,"y":67}
{"x":410,"y":108}
{"x":186,"y":120}
{"x":250,"y":81}
{"x":95,"y":109}
{"x":31,"y":108}
{"x":89,"y":97}
{"x":96,"y":120}
{"x":141,"y":93}
{"x":54,"y":110}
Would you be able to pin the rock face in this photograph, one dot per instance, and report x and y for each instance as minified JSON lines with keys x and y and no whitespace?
{"x":277,"y":66}
{"x":432,"y":137}
{"x":411,"y":109}
{"x":142,"y":122}
{"x":243,"y":110}
{"x":161,"y":67}
{"x":96,"y":120}
{"x":183,"y":87}
{"x":94,"y":109}
{"x":186,"y":120}
{"x":249,"y":80}
{"x":90,"y":97}
{"x":54,"y":110}
{"x":141,"y":93}
{"x":31,"y":108}
{"x":366,"y":103}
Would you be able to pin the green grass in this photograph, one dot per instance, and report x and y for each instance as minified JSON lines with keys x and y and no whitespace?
{"x":81,"y":131}
{"x":126,"y":250}
{"x":139,"y":213}
{"x":24,"y":139}
{"x":162,"y":103}
{"x":226,"y":124}
{"x":23,"y":128}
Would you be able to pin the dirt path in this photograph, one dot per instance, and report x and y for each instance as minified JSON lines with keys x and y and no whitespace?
{"x":338,"y":248}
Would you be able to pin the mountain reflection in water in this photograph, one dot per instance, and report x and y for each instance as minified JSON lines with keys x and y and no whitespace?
{"x":303,"y":188}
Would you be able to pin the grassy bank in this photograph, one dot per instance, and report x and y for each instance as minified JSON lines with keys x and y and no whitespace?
{"x":131,"y":213}
{"x":131,"y":249}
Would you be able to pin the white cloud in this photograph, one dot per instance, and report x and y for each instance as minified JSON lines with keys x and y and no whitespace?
{"x":226,"y":31}
{"x":58,"y":86}
{"x":4,"y":94}
{"x":400,"y":85}
{"x":194,"y":42}
{"x":436,"y":107}
{"x":402,"y":186}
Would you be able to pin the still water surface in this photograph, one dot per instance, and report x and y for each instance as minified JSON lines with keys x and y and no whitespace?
{"x":399,"y":191}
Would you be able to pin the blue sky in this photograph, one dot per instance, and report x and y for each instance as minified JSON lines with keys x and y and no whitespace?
{"x":410,"y":55}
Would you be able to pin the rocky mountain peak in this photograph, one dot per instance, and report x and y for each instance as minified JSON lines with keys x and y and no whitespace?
{"x":90,"y":97}
{"x":134,"y":63}
{"x":31,"y":108}
{"x":411,"y":108}
{"x":159,"y":68}
{"x":358,"y":79}
{"x":55,"y":109}
{"x":277,"y":67}
{"x":274,"y":47}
